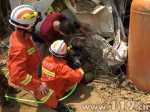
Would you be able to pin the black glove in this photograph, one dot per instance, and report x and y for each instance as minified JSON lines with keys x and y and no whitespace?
{"x":76,"y":62}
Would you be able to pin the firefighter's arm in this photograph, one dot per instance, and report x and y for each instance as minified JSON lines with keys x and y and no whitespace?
{"x":70,"y":74}
{"x":18,"y":73}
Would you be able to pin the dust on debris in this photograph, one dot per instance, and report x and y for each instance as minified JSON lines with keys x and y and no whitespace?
{"x":84,"y":5}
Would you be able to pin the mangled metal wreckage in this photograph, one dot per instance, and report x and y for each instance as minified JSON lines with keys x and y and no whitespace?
{"x":107,"y":46}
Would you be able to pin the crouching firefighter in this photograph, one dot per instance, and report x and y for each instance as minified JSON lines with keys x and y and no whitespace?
{"x":23,"y":57}
{"x":58,"y":75}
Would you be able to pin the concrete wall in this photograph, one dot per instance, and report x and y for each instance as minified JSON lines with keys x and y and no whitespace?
{"x":15,"y":3}
{"x":41,"y":5}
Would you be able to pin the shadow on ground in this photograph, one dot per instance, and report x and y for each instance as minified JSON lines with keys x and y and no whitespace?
{"x":82,"y":93}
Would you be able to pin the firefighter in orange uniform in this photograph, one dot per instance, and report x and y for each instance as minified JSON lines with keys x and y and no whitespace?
{"x":23,"y":57}
{"x":58,"y":75}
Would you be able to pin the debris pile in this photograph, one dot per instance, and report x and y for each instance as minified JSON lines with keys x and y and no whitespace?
{"x":84,"y":5}
{"x":107,"y":45}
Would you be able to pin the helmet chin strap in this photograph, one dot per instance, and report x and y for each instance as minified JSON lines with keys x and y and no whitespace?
{"x":24,"y":31}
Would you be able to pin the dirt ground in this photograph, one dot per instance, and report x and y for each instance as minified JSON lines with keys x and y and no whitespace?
{"x":107,"y":93}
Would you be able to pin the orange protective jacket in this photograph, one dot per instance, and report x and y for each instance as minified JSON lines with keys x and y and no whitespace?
{"x":59,"y":77}
{"x":22,"y":61}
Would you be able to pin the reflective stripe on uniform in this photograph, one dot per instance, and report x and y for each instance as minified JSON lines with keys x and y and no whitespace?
{"x":27,"y":80}
{"x":48,"y":72}
{"x":31,"y":50}
{"x":81,"y":71}
{"x":5,"y":71}
{"x":45,"y":98}
{"x":7,"y":74}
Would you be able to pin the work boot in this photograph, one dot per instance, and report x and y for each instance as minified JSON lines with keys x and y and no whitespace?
{"x":7,"y":104}
{"x":87,"y":78}
{"x":62,"y":108}
{"x":13,"y":90}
